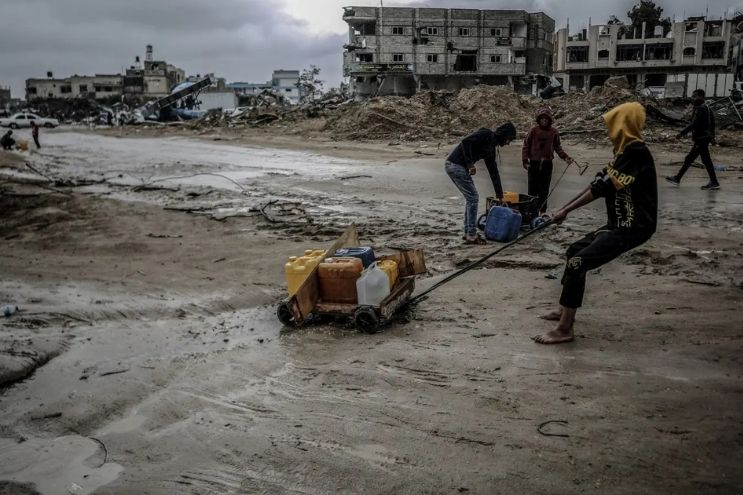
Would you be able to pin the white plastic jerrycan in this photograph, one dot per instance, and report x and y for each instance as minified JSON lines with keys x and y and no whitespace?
{"x":372,"y":286}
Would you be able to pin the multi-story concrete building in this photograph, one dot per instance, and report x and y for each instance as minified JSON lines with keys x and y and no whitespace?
{"x":695,"y":53}
{"x":154,"y":80}
{"x":282,"y":81}
{"x":99,"y":86}
{"x":402,"y":50}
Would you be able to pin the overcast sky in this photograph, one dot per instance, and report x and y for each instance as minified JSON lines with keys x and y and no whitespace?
{"x":241,"y":40}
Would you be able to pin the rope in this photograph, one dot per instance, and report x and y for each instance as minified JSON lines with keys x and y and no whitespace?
{"x":477,"y":263}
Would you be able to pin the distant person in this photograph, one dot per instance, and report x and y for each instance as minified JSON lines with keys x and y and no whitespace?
{"x":702,"y":129}
{"x":460,"y":166}
{"x":110,"y":119}
{"x":629,"y":187}
{"x":540,"y":145}
{"x":35,"y":133}
{"x":7,"y":141}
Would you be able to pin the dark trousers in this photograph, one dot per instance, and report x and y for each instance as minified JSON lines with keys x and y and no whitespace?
{"x":700,"y":149}
{"x":540,"y":177}
{"x":589,"y":253}
{"x":36,"y":140}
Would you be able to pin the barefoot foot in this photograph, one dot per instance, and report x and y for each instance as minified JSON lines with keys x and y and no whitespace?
{"x":554,"y":337}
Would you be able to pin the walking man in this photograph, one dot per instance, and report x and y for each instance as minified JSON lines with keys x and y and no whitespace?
{"x":537,"y":153}
{"x":702,"y":129}
{"x":35,"y":133}
{"x":629,"y":187}
{"x":460,"y":166}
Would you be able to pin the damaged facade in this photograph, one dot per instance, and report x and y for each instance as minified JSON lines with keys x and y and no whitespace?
{"x":152,"y":80}
{"x":285,"y":82}
{"x":692,"y":54}
{"x":398,"y":51}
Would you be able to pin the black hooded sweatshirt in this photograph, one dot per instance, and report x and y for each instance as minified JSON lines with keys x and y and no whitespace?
{"x":480,"y":145}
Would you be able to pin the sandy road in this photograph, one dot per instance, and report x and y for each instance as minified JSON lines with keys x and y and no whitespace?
{"x":165,"y":349}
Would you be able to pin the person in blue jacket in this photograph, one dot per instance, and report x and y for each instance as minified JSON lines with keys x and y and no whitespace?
{"x":460,"y":166}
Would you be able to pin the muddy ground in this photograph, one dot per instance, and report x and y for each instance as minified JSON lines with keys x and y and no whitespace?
{"x":146,"y":357}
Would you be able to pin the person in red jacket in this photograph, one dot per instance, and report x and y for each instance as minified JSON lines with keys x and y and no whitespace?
{"x":537,"y":153}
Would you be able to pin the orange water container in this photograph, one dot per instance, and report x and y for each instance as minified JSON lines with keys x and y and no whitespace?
{"x":390,"y":268}
{"x":23,"y":144}
{"x":297,"y":268}
{"x":337,"y":278}
{"x":510,"y":197}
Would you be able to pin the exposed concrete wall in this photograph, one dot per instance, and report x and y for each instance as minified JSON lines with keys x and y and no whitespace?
{"x":427,"y":42}
{"x":100,"y":85}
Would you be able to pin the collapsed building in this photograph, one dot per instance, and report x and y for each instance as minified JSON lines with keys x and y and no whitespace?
{"x":284,"y":82}
{"x":399,"y":51}
{"x":670,"y":62}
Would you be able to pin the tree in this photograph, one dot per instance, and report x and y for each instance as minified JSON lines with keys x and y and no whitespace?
{"x":310,"y":87}
{"x":646,"y":11}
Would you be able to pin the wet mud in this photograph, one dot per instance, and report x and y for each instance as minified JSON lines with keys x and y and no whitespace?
{"x":153,"y":361}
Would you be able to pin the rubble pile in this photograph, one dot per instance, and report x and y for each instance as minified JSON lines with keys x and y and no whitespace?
{"x":430,"y":114}
{"x":270,"y":106}
{"x":442,"y":114}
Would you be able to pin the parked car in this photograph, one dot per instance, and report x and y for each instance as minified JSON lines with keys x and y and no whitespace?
{"x":24,"y":120}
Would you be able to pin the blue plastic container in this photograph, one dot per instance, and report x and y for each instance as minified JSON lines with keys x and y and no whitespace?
{"x":502,"y":224}
{"x":366,"y":254}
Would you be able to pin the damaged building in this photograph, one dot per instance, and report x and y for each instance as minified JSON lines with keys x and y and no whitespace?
{"x":398,"y":51}
{"x":153,"y":79}
{"x":284,"y":82}
{"x":671,"y":62}
{"x":99,"y":86}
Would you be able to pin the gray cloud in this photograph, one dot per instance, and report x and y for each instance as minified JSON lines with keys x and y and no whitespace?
{"x":237,"y":39}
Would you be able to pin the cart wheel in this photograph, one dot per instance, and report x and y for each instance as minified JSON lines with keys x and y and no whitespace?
{"x":366,"y":319}
{"x":284,"y":314}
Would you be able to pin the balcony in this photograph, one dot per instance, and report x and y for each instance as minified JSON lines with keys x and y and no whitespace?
{"x":373,"y":68}
{"x":518,"y":43}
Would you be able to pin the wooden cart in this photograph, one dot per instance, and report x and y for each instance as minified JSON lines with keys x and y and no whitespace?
{"x":306,"y":303}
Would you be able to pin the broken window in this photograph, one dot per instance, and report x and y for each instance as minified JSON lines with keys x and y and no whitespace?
{"x":577,"y":54}
{"x":365,"y":29}
{"x":713,"y":29}
{"x":659,"y":52}
{"x":32,"y":90}
{"x":398,"y":57}
{"x":98,"y":88}
{"x":629,"y":53}
{"x":65,"y":89}
{"x":432,"y":31}
{"x":691,"y":27}
{"x":365,"y":57}
{"x":108,"y":89}
{"x":690,"y":51}
{"x":466,"y":61}
{"x":655,"y":80}
{"x":603,"y":54}
{"x":83,"y":88}
{"x":496,"y":59}
{"x":360,"y":79}
{"x":464,"y":31}
{"x":713,"y":49}
{"x":398,"y":30}
{"x":498,"y":32}
{"x":432,"y":57}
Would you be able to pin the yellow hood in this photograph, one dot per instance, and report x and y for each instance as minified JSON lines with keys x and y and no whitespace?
{"x":625,"y":123}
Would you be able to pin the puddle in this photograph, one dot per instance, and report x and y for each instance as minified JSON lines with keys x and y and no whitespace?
{"x":152,"y":159}
{"x":60,"y":466}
